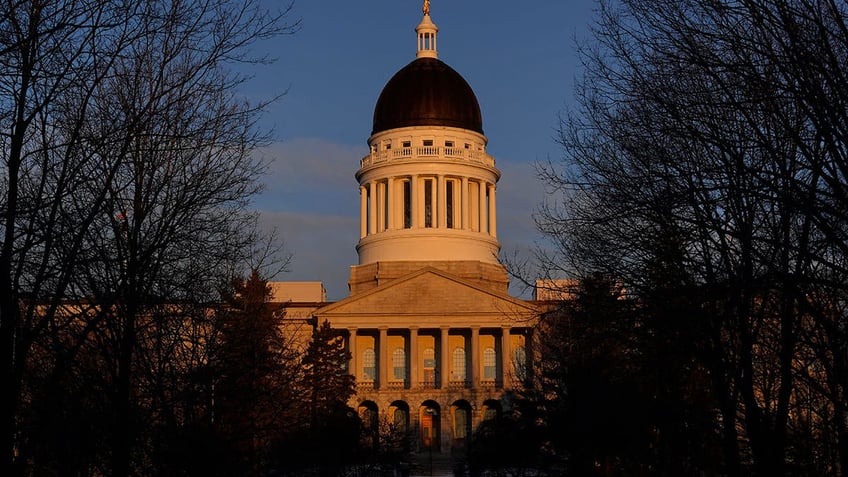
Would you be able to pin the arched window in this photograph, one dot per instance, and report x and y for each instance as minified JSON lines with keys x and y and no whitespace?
{"x":489,"y":364}
{"x":399,"y":364}
{"x":369,"y":365}
{"x":460,"y":428}
{"x":401,"y":417}
{"x":459,"y":364}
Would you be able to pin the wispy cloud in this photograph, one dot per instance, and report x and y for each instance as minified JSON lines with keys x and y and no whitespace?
{"x":312,"y":199}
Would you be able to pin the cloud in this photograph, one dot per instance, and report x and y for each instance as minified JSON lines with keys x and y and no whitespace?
{"x":310,"y":174}
{"x":322,"y":247}
{"x":313,"y":200}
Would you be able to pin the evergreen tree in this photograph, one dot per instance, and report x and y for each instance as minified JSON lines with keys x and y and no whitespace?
{"x":325,"y":389}
{"x":256,"y":371}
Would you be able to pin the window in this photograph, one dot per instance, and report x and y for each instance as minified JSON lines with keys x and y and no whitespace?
{"x":406,"y":144}
{"x":401,"y":417}
{"x":429,"y":367}
{"x":459,"y":364}
{"x":399,"y":364}
{"x":369,"y":365}
{"x":489,"y":366}
{"x":448,"y":143}
{"x":449,"y":203}
{"x":460,"y":430}
{"x":428,"y":142}
{"x":407,"y":205}
{"x":467,"y":146}
{"x":428,"y":203}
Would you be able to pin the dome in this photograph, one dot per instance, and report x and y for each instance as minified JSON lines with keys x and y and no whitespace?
{"x":427,"y":92}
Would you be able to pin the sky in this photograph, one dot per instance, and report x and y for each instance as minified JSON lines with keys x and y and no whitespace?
{"x":520,"y":58}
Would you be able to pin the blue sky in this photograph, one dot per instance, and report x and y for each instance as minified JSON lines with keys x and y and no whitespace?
{"x":519,"y":57}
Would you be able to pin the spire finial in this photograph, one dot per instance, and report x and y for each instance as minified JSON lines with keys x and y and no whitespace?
{"x":426,"y":7}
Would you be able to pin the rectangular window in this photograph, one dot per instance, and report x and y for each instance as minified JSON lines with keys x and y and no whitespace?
{"x":428,"y":203}
{"x":449,"y":203}
{"x":407,"y":205}
{"x":428,"y":142}
{"x":369,"y":365}
{"x":429,"y":368}
{"x":399,"y":364}
{"x":384,"y":203}
{"x":448,"y":143}
{"x":407,"y":144}
{"x":489,"y":364}
{"x":459,"y":364}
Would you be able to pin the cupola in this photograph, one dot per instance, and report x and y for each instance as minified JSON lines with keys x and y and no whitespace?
{"x":427,"y":187}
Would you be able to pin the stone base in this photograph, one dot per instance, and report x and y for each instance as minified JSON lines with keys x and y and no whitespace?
{"x":486,"y":275}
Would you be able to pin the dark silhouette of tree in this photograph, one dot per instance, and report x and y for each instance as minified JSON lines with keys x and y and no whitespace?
{"x":720,"y":127}
{"x":255,"y":372}
{"x":329,"y":423}
{"x":127,"y":165}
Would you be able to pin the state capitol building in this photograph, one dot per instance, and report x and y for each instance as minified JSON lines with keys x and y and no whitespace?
{"x":436,"y":340}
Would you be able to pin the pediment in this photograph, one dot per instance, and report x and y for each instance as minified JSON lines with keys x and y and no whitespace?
{"x":428,"y":294}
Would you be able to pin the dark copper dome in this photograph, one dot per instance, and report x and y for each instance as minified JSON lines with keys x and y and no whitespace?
{"x":427,"y":92}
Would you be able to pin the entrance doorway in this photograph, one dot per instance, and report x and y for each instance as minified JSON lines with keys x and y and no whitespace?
{"x":430,"y":418}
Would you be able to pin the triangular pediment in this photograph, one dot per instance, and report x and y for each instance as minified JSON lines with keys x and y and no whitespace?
{"x":427,"y":294}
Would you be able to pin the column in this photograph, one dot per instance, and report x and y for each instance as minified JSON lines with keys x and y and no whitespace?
{"x":414,"y":378}
{"x":464,"y":192}
{"x":353,"y":367}
{"x":475,"y":357}
{"x":372,"y":217}
{"x":384,"y":357}
{"x":441,"y":204}
{"x":444,"y":363}
{"x":363,"y":211}
{"x":492,"y":216}
{"x":506,"y":354}
{"x":390,"y":203}
{"x":482,"y":206}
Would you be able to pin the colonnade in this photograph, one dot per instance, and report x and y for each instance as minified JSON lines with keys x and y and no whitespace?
{"x":427,"y":201}
{"x":443,"y":342}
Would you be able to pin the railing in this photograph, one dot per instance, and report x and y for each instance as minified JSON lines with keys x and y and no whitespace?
{"x":487,"y":384}
{"x":427,"y":152}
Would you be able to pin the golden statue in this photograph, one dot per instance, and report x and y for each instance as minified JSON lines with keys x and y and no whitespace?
{"x":426,"y":8}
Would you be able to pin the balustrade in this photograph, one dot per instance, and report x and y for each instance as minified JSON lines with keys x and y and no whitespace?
{"x":428,"y":152}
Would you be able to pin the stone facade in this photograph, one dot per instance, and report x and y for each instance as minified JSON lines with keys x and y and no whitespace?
{"x":437,"y":343}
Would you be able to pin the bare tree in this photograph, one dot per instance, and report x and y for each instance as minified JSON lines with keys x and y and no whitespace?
{"x":127,"y":164}
{"x":721,"y":124}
